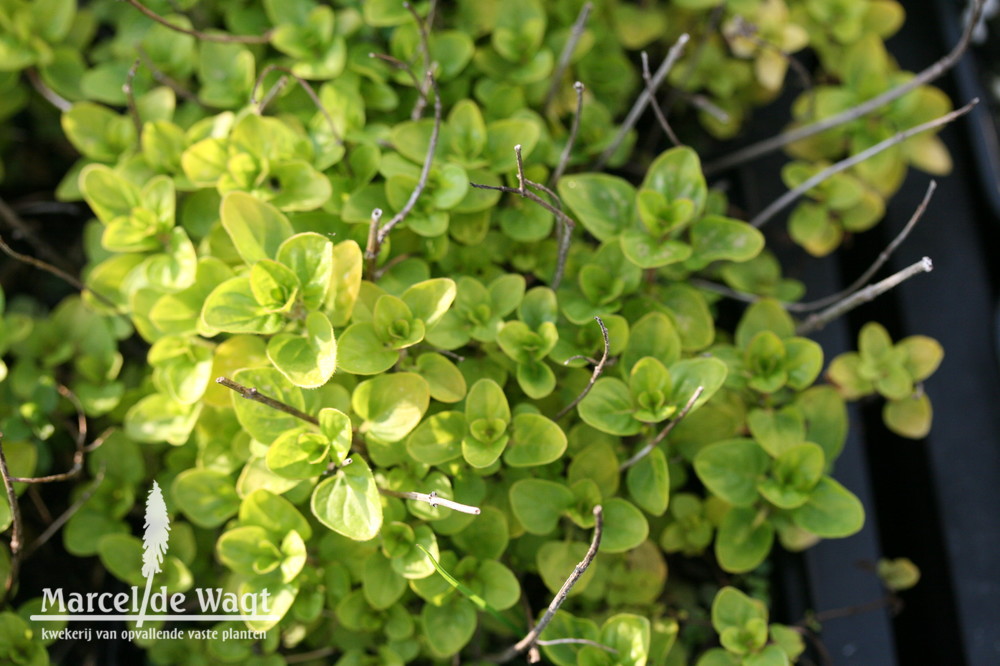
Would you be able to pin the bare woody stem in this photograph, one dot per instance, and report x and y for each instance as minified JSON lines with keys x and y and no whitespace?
{"x":21,"y":229}
{"x":754,"y":151}
{"x":598,"y":369}
{"x":50,"y":95}
{"x":57,"y":524}
{"x":876,"y":265}
{"x":644,"y":451}
{"x":165,"y":79}
{"x":640,"y":104}
{"x":305,"y":86}
{"x":792,"y":195}
{"x":571,"y":139}
{"x":15,"y":530}
{"x":657,"y":111}
{"x":532,"y":637}
{"x":425,"y":54}
{"x":78,"y":454}
{"x":253,"y":394}
{"x":567,"y":52}
{"x":371,"y":252}
{"x":133,"y":110}
{"x":403,"y":67}
{"x":49,"y":268}
{"x":821,"y":319}
{"x":206,"y":36}
{"x":432,"y":499}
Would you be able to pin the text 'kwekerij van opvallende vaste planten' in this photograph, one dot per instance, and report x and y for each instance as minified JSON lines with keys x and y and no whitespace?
{"x":418,"y":333}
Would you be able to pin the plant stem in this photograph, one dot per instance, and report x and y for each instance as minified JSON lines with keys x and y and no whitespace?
{"x":644,"y":451}
{"x":402,"y":66}
{"x":598,"y":369}
{"x":253,"y":394}
{"x":130,"y":97}
{"x":66,"y":515}
{"x":578,"y":641}
{"x":432,"y":499}
{"x":372,"y":247}
{"x":821,"y":319}
{"x":22,"y":229}
{"x":567,"y":52}
{"x":560,"y":597}
{"x":571,"y":138}
{"x":876,"y":265}
{"x":80,"y":439}
{"x":657,"y":111}
{"x":305,"y":86}
{"x":792,"y":195}
{"x":50,"y":95}
{"x":755,"y":150}
{"x":640,"y":104}
{"x":165,"y":79}
{"x":15,"y":529}
{"x":425,"y":54}
{"x":208,"y":37}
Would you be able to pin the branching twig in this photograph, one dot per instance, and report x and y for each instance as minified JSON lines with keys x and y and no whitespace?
{"x":58,"y":272}
{"x":821,"y":319}
{"x":571,"y":138}
{"x":564,"y":57}
{"x":662,"y":119}
{"x":567,"y":222}
{"x":560,"y":597}
{"x":50,"y":95}
{"x":305,"y":86}
{"x":598,"y":369}
{"x":15,"y":523}
{"x":253,"y":394}
{"x":643,"y":100}
{"x":792,"y":195}
{"x":66,"y":515}
{"x":644,"y":451}
{"x":882,"y":258}
{"x":432,"y":499}
{"x":754,"y":151}
{"x":403,"y":67}
{"x":133,"y":110}
{"x":209,"y":37}
{"x":425,"y":54}
{"x":371,"y":252}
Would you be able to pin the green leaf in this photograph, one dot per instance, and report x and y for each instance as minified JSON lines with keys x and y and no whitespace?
{"x":381,"y":584}
{"x":556,"y":560}
{"x":648,"y":482}
{"x":445,"y":379}
{"x":732,"y":468}
{"x":248,"y":551}
{"x":741,"y":543}
{"x":361,"y":352}
{"x":764,"y":315}
{"x":206,"y":496}
{"x":653,"y":335}
{"x":394,"y":323}
{"x":629,"y":635}
{"x":485,"y":537}
{"x":832,"y":512}
{"x":604,"y":204}
{"x":676,"y":174}
{"x":922,"y":356}
{"x":97,"y":132}
{"x":310,"y":258}
{"x":909,"y":417}
{"x":181,"y":368}
{"x":391,"y":405}
{"x":385,"y":13}
{"x":803,"y":362}
{"x":536,"y":379}
{"x":647,"y":251}
{"x":607,"y":407}
{"x":715,"y":238}
{"x":299,"y":454}
{"x":467,"y":131}
{"x":438,"y":439}
{"x":274,"y":513}
{"x":502,"y":136}
{"x":689,"y":374}
{"x":274,"y":286}
{"x":256,"y":228}
{"x":537,"y":504}
{"x":108,"y":194}
{"x":448,"y":627}
{"x":348,"y":502}
{"x":624,"y":526}
{"x":160,"y":418}
{"x":794,"y":474}
{"x":307,"y":360}
{"x":430,"y":299}
{"x":732,"y":608}
{"x":777,"y":431}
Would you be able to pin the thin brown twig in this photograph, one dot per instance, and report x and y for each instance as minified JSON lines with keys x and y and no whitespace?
{"x":571,"y":138}
{"x":576,"y":32}
{"x":50,"y":95}
{"x":821,"y":319}
{"x":57,"y":524}
{"x":166,"y":79}
{"x":206,"y":36}
{"x":305,"y":86}
{"x":792,"y":195}
{"x":598,"y":369}
{"x":432,"y":499}
{"x":703,"y":103}
{"x":640,"y":104}
{"x":49,"y":268}
{"x":133,"y":110}
{"x":372,"y":247}
{"x":657,"y":111}
{"x":520,"y":169}
{"x":103,"y":437}
{"x":383,"y":231}
{"x":929,"y":74}
{"x":878,"y":263}
{"x":253,"y":394}
{"x":534,"y":656}
{"x":402,"y":66}
{"x":532,"y":637}
{"x":644,"y":451}
{"x":23,"y":229}
{"x":425,"y":54}
{"x":15,"y":529}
